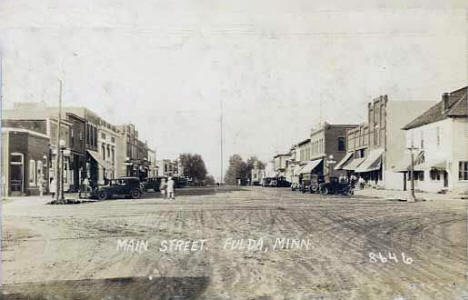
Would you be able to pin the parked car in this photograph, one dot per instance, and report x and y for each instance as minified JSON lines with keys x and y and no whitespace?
{"x":314,"y":184}
{"x":273,"y":183}
{"x":153,"y":183}
{"x":266,"y":181}
{"x":122,"y":187}
{"x":334,"y":186}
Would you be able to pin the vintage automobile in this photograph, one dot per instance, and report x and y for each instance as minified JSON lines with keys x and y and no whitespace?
{"x":314,"y":183}
{"x":121,"y":187}
{"x":153,"y":183}
{"x":334,"y":186}
{"x":266,"y":181}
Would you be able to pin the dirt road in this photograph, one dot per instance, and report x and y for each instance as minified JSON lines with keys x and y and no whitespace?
{"x":295,"y":246}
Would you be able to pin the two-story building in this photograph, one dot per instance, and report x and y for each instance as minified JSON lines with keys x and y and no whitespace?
{"x":378,"y":145}
{"x":108,"y":135}
{"x":280,"y":162}
{"x":439,"y":137}
{"x":328,"y":146}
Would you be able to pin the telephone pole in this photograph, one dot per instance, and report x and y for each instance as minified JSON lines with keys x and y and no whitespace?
{"x":221,"y":131}
{"x":58,"y":194}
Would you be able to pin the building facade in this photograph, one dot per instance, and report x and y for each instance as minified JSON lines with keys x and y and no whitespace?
{"x":374,"y":149}
{"x":24,"y":161}
{"x":439,"y":137}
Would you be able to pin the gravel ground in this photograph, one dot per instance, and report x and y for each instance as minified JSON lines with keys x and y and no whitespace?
{"x":72,"y":251}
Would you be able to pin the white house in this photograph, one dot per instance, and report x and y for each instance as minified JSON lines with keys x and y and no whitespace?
{"x":440,"y":135}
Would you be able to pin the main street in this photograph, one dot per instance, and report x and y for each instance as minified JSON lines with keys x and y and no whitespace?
{"x":302,"y":246}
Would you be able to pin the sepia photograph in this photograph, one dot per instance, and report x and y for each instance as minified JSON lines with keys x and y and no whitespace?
{"x":202,"y":149}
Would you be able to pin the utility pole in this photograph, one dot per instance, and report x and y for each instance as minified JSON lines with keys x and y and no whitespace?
{"x":221,"y":131}
{"x":58,"y":194}
{"x":412,"y":196}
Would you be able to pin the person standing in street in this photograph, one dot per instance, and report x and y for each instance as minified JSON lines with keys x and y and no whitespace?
{"x":85,"y":185}
{"x":170,"y":189}
{"x":52,"y":187}
{"x":162,"y":187}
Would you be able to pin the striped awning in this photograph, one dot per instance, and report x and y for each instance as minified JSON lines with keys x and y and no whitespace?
{"x":373,"y":162}
{"x":343,"y":162}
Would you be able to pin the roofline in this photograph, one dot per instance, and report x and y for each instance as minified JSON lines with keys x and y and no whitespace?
{"x":31,"y":132}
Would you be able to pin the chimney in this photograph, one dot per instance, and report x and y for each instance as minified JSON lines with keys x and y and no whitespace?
{"x":445,"y":102}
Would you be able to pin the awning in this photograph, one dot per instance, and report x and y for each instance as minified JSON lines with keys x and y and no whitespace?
{"x":99,"y":160}
{"x":405,"y":164}
{"x":311,"y":165}
{"x":354,"y":164}
{"x":373,"y":162}
{"x":437,"y":165}
{"x":297,"y":170}
{"x":344,"y":161}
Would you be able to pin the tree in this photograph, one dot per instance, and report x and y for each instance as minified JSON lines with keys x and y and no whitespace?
{"x":209,"y":180}
{"x":252,"y":163}
{"x":237,"y":169}
{"x":193,"y":167}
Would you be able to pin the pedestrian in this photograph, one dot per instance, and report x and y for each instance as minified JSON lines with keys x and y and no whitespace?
{"x":170,"y":189}
{"x":41,"y":186}
{"x":361,"y":183}
{"x":84,"y":186}
{"x":52,"y":187}
{"x":162,"y":187}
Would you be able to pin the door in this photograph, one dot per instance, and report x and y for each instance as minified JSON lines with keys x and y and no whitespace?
{"x":17,"y":173}
{"x":445,"y":179}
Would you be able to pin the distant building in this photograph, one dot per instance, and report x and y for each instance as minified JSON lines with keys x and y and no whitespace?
{"x":153,"y":167}
{"x":375,"y":148}
{"x":132,"y":158}
{"x":169,"y":167}
{"x":440,"y":135}
{"x":280,"y":162}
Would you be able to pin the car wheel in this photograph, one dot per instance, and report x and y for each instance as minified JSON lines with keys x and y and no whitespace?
{"x":135,"y":194}
{"x":324,"y":190}
{"x":102,"y":195}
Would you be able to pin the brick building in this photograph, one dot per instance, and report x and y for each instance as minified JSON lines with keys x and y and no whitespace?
{"x":24,"y":161}
{"x":376,"y":147}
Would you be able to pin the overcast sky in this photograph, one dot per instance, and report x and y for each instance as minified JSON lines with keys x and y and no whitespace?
{"x":166,"y":65}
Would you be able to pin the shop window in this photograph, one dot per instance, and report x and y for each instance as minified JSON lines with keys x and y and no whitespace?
{"x":39,"y":170}
{"x":32,"y":173}
{"x":463,"y":170}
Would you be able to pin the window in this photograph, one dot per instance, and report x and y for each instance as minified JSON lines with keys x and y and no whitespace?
{"x":32,"y":173}
{"x":435,"y":174}
{"x":39,"y":171}
{"x":108,"y":152}
{"x":463,"y":170}
{"x":113,"y":154}
{"x":422,"y":139}
{"x":341,"y":144}
{"x":103,"y":136}
{"x":113,"y":139}
{"x":103,"y":149}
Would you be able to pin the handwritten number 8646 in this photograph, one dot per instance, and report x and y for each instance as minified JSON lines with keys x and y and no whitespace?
{"x":374,"y":258}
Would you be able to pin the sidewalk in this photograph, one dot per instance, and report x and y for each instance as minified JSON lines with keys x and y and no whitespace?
{"x":404,"y":195}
